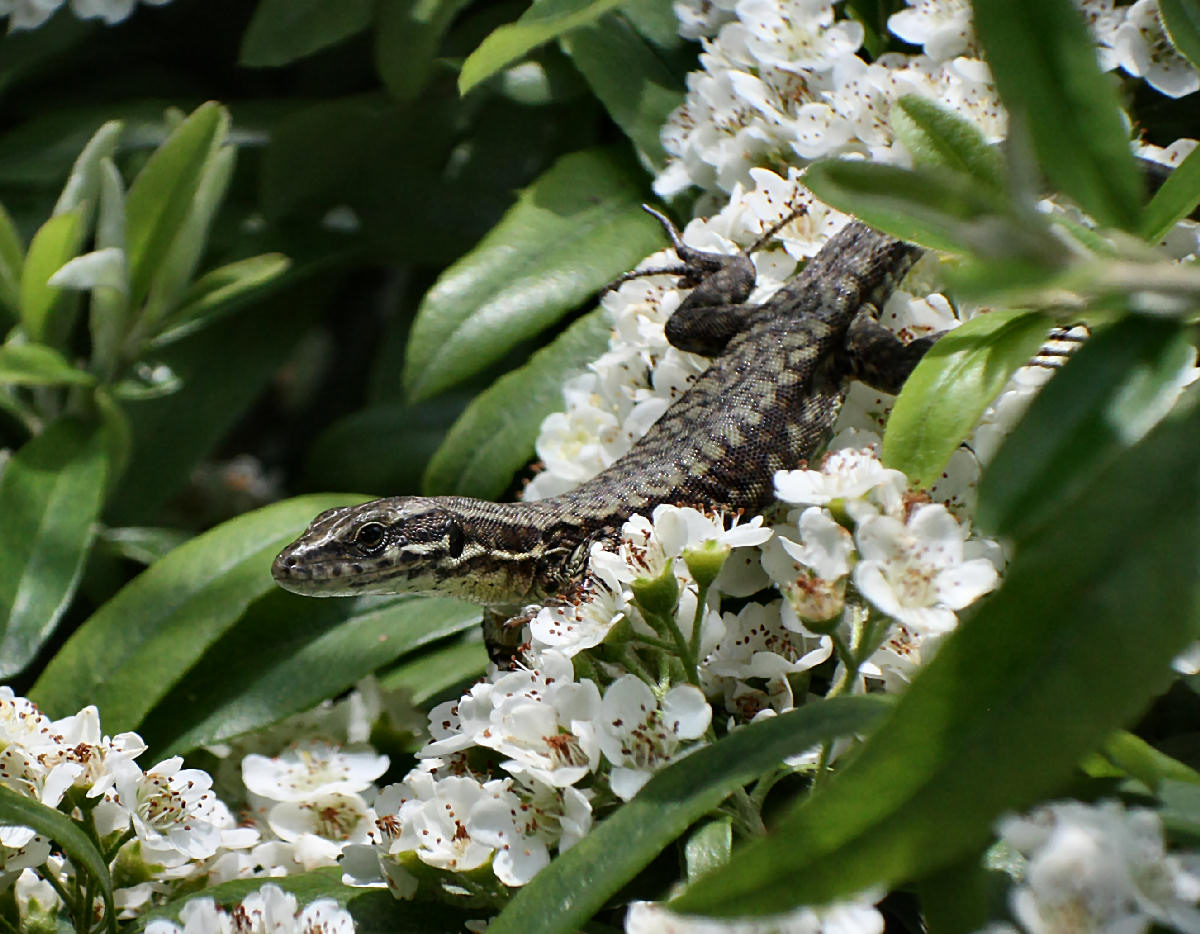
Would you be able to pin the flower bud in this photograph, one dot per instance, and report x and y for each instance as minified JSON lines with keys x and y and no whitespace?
{"x":658,"y":596}
{"x":706,"y":560}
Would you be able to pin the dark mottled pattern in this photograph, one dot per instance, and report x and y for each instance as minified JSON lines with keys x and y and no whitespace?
{"x":767,"y":402}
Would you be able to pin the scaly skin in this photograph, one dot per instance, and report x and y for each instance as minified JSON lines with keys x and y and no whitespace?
{"x":768,"y":402}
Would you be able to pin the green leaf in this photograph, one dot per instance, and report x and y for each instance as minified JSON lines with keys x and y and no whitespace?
{"x":569,"y":233}
{"x":108,"y":314}
{"x":578,"y":882}
{"x":1136,"y":757}
{"x":408,"y":34}
{"x":137,"y":646}
{"x":624,"y":71}
{"x":1000,"y":717}
{"x":18,"y":810}
{"x":938,"y":137}
{"x":219,"y":292}
{"x":542,"y":22}
{"x":38,"y":365}
{"x":282,"y":31}
{"x":46,"y":312}
{"x":268,"y":667}
{"x":950,"y":388}
{"x":1174,"y":201}
{"x":437,"y":670}
{"x":1044,"y":61}
{"x":12,"y":258}
{"x":708,"y":847}
{"x":956,"y":899}
{"x":1109,"y":394}
{"x":179,"y":263}
{"x":50,"y":497}
{"x":494,"y":437}
{"x":83,"y":184}
{"x":144,"y":544}
{"x":161,"y":197}
{"x":940,"y":209}
{"x":1181,"y":20}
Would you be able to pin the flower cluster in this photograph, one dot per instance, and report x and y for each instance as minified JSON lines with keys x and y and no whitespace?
{"x":784,"y":81}
{"x":270,"y":910}
{"x":29,"y":14}
{"x":1093,"y":867}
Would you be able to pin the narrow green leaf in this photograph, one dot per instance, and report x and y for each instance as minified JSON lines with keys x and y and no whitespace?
{"x":138,"y":645}
{"x":161,"y":197}
{"x":542,"y":22}
{"x":1000,"y":717}
{"x":1180,"y":811}
{"x":108,"y":314}
{"x":282,"y":31}
{"x":569,"y":233}
{"x":956,"y":899}
{"x":1107,"y":396}
{"x":83,"y":184}
{"x":1044,"y":61}
{"x":50,"y":497}
{"x":437,"y":670}
{"x":951,"y":387}
{"x":144,"y":544}
{"x":494,"y":437}
{"x":1174,"y":201}
{"x":269,"y":667}
{"x":1136,"y":757}
{"x":408,"y":34}
{"x":16,"y":809}
{"x":1181,"y":20}
{"x":179,"y":263}
{"x":708,"y":847}
{"x":219,"y":292}
{"x":940,"y":209}
{"x":12,"y":258}
{"x":624,"y":71}
{"x":46,"y":311}
{"x":568,"y":892}
{"x":938,"y":137}
{"x":118,"y":437}
{"x":38,"y":365}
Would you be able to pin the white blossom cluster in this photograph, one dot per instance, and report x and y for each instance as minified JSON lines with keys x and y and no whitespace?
{"x":29,"y":14}
{"x":1095,"y":867}
{"x":270,"y":910}
{"x":783,"y":82}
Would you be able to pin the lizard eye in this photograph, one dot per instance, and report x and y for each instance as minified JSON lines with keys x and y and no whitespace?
{"x":370,"y":536}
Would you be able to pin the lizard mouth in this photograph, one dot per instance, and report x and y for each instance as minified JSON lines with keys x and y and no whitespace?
{"x":321,"y":578}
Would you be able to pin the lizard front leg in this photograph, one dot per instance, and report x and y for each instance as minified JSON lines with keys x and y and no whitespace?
{"x":877,"y":356}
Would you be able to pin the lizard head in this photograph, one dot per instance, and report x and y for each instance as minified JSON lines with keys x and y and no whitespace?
{"x":402,"y":544}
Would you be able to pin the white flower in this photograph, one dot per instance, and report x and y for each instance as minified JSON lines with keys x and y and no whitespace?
{"x":915,"y":572}
{"x":943,"y":27}
{"x":173,"y":810}
{"x":809,"y":566}
{"x":856,"y":917}
{"x":583,"y":621}
{"x":22,"y":723}
{"x":430,"y":819}
{"x":270,"y":910}
{"x":844,"y":475}
{"x":1099,"y":868}
{"x":1142,"y":48}
{"x":320,"y":826}
{"x":638,"y":736}
{"x":81,"y":742}
{"x":796,"y":35}
{"x":311,"y":769}
{"x":29,"y":14}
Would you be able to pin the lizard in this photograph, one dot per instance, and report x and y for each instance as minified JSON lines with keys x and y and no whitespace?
{"x":767,"y":401}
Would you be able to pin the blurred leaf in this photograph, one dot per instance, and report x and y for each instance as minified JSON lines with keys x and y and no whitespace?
{"x":162,"y":195}
{"x":495,"y":436}
{"x":21,"y":811}
{"x":630,"y":79}
{"x":1044,"y":62}
{"x":38,"y":365}
{"x":219,"y":292}
{"x":1180,"y":810}
{"x":83,"y":184}
{"x":569,"y":233}
{"x":948,"y":391}
{"x":656,"y":22}
{"x":542,"y":22}
{"x":51,"y":492}
{"x":108,"y":314}
{"x":136,"y":647}
{"x":1136,"y":757}
{"x":287,"y":654}
{"x":179,"y":264}
{"x":45,"y":310}
{"x":938,"y":137}
{"x":578,"y":882}
{"x":438,"y":669}
{"x":708,"y":847}
{"x":408,"y":34}
{"x":939,"y":209}
{"x":956,"y":900}
{"x":1181,"y":19}
{"x":12,"y":258}
{"x":1109,"y":394}
{"x":143,"y":544}
{"x":118,"y":440}
{"x":282,"y":31}
{"x":1174,"y":201}
{"x":1000,"y":717}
